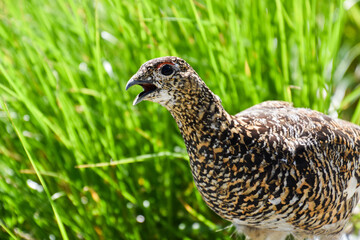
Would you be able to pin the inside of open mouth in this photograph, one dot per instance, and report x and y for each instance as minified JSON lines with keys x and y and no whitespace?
{"x":148,"y":87}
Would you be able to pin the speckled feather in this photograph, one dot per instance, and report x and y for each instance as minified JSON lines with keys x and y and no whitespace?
{"x":272,"y":169}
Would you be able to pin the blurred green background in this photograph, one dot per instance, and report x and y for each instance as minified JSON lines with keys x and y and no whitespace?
{"x":63,"y":70}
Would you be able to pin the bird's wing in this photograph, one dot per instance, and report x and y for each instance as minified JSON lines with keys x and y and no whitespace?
{"x":282,"y":118}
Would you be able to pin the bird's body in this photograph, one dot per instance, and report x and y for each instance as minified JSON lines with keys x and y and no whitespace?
{"x":272,"y":169}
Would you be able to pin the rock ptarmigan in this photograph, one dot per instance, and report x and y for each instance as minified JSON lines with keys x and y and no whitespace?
{"x":272,"y":169}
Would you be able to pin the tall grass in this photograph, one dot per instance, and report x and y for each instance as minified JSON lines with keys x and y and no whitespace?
{"x":63,"y":69}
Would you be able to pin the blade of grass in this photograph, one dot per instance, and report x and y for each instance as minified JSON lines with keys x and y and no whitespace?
{"x":12,"y":235}
{"x":139,"y":158}
{"x":284,"y":53}
{"x":198,"y":215}
{"x":42,"y":182}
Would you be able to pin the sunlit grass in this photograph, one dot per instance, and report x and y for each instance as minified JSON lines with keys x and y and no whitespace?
{"x":63,"y":70}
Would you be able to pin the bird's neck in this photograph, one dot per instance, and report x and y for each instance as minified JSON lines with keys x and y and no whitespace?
{"x":203,"y":122}
{"x":213,"y":139}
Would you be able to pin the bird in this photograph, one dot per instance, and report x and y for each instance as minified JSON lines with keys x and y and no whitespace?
{"x":272,"y":169}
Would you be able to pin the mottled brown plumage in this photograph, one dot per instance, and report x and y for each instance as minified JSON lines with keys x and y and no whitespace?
{"x":272,"y":169}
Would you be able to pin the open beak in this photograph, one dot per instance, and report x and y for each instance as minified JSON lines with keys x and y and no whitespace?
{"x":146,"y":85}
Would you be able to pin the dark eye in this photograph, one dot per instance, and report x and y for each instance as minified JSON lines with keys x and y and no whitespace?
{"x":167,"y":70}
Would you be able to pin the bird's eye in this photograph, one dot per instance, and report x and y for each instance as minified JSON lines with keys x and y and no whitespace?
{"x":167,"y":70}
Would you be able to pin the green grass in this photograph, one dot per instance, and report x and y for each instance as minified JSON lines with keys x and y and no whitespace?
{"x":63,"y":70}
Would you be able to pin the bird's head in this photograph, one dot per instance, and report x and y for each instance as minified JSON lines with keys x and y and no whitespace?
{"x":166,"y":80}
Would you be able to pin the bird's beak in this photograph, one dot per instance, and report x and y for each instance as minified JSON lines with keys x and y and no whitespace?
{"x":131,"y":83}
{"x":146,"y":85}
